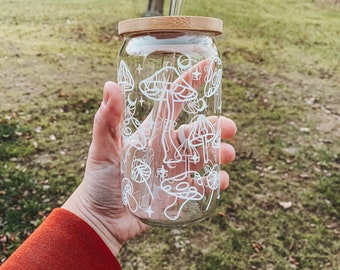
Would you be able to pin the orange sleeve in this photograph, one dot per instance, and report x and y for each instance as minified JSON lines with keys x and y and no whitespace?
{"x":62,"y":242}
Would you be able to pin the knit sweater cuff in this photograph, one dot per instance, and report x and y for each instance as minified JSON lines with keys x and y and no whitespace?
{"x":62,"y":241}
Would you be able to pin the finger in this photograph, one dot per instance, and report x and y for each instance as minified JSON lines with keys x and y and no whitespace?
{"x":197,"y":156}
{"x":228,"y":128}
{"x":227,"y":153}
{"x":195,"y":162}
{"x":224,"y":180}
{"x":112,"y":104}
{"x":106,"y":129}
{"x":196,"y":187}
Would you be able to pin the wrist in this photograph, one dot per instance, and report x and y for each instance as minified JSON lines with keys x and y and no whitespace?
{"x":76,"y":205}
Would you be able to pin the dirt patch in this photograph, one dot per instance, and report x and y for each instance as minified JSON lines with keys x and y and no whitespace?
{"x":327,"y":2}
{"x":323,"y":101}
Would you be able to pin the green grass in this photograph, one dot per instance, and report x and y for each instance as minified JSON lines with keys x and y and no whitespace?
{"x":281,"y":86}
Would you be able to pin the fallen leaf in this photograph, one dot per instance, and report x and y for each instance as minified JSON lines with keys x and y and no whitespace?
{"x":257,"y":247}
{"x":304,"y":129}
{"x":3,"y":238}
{"x":18,"y":133}
{"x":222,"y":214}
{"x":293,"y":262}
{"x":13,"y":236}
{"x":286,"y":205}
{"x":304,"y":175}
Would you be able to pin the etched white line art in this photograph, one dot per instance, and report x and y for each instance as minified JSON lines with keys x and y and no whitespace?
{"x":139,"y":69}
{"x":201,"y":135}
{"x":127,"y":195}
{"x":185,"y":63}
{"x":141,"y":173}
{"x":125,"y":79}
{"x":149,"y":211}
{"x":158,"y":88}
{"x":174,"y":165}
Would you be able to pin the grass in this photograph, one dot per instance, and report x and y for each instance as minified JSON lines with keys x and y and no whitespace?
{"x":281,"y":85}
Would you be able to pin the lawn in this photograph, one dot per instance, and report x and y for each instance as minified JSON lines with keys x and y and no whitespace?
{"x":280,"y":84}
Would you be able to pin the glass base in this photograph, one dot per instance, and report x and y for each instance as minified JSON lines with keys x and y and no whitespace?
{"x":170,"y":223}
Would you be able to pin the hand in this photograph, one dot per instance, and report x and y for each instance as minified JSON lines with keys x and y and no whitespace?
{"x":97,"y":200}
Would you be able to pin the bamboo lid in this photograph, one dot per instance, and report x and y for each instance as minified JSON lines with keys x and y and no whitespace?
{"x":171,"y":24}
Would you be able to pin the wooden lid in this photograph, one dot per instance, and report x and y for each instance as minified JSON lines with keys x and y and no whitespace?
{"x":170,"y":24}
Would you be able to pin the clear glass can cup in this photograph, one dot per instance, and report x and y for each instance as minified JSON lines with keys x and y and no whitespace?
{"x":170,"y":73}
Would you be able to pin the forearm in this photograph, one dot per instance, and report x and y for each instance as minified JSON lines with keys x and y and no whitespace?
{"x":62,"y":241}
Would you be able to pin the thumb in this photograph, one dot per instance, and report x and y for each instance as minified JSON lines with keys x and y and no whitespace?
{"x":106,"y":128}
{"x":112,"y":102}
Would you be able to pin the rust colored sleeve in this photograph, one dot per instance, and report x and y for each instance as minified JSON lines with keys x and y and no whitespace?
{"x":62,"y":241}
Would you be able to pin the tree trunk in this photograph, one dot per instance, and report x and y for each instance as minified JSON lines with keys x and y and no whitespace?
{"x":155,"y":8}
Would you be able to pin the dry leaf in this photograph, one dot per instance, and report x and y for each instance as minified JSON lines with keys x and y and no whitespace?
{"x":328,"y":264}
{"x":286,"y":205}
{"x":222,"y":214}
{"x":257,"y":247}
{"x":3,"y":238}
{"x":304,"y":175}
{"x":18,"y":133}
{"x":293,"y":262}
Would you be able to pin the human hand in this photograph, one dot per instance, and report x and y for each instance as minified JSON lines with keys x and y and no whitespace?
{"x":98,"y":200}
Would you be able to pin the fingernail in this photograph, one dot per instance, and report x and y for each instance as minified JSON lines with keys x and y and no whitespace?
{"x":106,"y":94}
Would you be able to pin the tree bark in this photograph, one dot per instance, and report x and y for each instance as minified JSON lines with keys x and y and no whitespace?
{"x":155,"y":8}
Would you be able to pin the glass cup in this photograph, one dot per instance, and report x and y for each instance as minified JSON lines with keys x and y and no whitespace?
{"x":170,"y":74}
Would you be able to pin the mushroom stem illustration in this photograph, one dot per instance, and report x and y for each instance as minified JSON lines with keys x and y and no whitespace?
{"x":168,"y":93}
{"x":201,"y":135}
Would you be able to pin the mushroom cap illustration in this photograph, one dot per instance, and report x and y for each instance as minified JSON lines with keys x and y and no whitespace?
{"x":141,"y":171}
{"x":202,"y":132}
{"x":180,"y":90}
{"x":213,"y":77}
{"x":181,"y":187}
{"x":211,"y":176}
{"x":127,"y":195}
{"x":125,"y":79}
